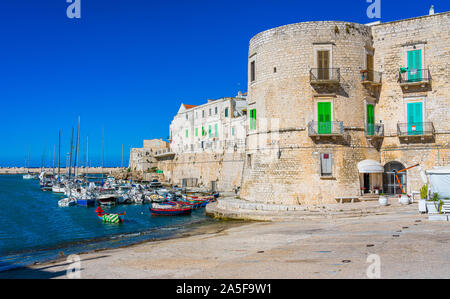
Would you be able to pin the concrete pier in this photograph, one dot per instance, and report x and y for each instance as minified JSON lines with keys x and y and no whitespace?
{"x":93,"y":170}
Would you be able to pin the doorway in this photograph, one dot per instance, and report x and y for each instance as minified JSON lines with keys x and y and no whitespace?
{"x":366,"y":184}
{"x":390,"y":184}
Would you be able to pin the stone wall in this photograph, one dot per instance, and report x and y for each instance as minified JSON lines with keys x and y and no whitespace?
{"x":283,"y":161}
{"x":391,"y":40}
{"x":225,"y":169}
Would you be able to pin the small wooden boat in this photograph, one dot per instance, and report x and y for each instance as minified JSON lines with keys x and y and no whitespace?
{"x":169,"y":210}
{"x":110,"y":218}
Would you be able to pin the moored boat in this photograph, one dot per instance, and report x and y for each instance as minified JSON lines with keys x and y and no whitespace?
{"x":28,"y":176}
{"x":107,"y":199}
{"x":110,"y":218}
{"x":67,"y":202}
{"x":169,"y":210}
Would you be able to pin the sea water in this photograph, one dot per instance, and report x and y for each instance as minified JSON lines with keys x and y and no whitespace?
{"x":33,"y":229}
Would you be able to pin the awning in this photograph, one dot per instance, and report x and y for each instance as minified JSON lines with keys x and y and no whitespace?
{"x":440,"y":181}
{"x":439,"y":170}
{"x":370,"y":166}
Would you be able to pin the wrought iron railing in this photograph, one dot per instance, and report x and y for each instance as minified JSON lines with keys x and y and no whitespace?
{"x":414,"y":75}
{"x":415,"y":129}
{"x":325,"y":128}
{"x":325,"y":75}
{"x":374,"y":130}
{"x":371,"y":76}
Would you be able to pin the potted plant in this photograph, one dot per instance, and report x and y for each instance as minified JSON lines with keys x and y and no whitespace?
{"x":383,"y":200}
{"x":433,"y":204}
{"x":404,"y":199}
{"x":423,"y":199}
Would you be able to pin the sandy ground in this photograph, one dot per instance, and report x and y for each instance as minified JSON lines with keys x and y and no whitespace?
{"x":408,"y":245}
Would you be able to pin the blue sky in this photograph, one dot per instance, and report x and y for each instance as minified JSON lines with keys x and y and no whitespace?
{"x":128,"y":64}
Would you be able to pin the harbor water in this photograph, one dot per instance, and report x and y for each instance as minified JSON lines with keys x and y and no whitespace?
{"x":34,"y":229}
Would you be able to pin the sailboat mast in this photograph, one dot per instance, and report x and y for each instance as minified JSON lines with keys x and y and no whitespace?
{"x":103,"y":147}
{"x":59,"y":154}
{"x":70,"y":159}
{"x":28,"y":160}
{"x":54,"y":151}
{"x":78,"y":148}
{"x":87,"y":154}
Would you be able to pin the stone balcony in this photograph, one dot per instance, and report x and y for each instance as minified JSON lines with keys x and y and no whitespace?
{"x":371,"y":78}
{"x":164,"y":153}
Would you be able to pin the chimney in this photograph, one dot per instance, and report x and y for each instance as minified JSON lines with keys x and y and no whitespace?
{"x":432,"y":10}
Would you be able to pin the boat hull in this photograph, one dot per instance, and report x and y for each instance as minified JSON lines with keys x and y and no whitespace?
{"x":170,"y":212}
{"x":86,"y":202}
{"x":112,"y":218}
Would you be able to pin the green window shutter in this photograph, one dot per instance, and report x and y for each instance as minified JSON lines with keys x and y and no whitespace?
{"x":203,"y":131}
{"x":209,"y":130}
{"x":216,"y":130}
{"x":415,"y":118}
{"x":196,"y":132}
{"x":324,"y":117}
{"x":253,"y":119}
{"x":414,"y":65}
{"x":187,"y":133}
{"x":370,"y":120}
{"x":226,"y":112}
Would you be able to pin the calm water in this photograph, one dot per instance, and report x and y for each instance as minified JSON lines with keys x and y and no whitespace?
{"x":34,"y":229}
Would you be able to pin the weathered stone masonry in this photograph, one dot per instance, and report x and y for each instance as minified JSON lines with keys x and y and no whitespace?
{"x":283,"y":163}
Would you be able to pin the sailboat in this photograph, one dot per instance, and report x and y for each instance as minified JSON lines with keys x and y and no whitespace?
{"x":28,"y":175}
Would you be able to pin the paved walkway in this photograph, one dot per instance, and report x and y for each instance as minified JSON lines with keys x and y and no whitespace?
{"x":408,"y":245}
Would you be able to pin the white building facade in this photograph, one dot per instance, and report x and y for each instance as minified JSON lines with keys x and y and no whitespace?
{"x":217,"y":126}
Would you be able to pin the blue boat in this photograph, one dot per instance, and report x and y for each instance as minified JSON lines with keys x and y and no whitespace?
{"x":86,"y":202}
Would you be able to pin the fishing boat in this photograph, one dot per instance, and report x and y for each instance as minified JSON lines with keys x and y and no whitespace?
{"x":46,"y":186}
{"x":109,"y":199}
{"x":67,"y":202}
{"x":85,"y":200}
{"x":28,"y":176}
{"x":169,"y":210}
{"x":58,"y":188}
{"x":109,"y":218}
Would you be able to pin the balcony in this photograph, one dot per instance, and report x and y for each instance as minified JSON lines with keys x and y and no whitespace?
{"x":325,"y":76}
{"x":371,"y":78}
{"x":423,"y":129}
{"x":414,"y":77}
{"x":373,"y":131}
{"x":164,"y":153}
{"x":332,"y":128}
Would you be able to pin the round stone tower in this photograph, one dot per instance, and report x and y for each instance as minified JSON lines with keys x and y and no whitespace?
{"x":308,"y":110}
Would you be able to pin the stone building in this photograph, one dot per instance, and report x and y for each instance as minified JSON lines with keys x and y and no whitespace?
{"x":143,"y":159}
{"x":334,"y":108}
{"x":207,"y":145}
{"x":215,"y":126}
